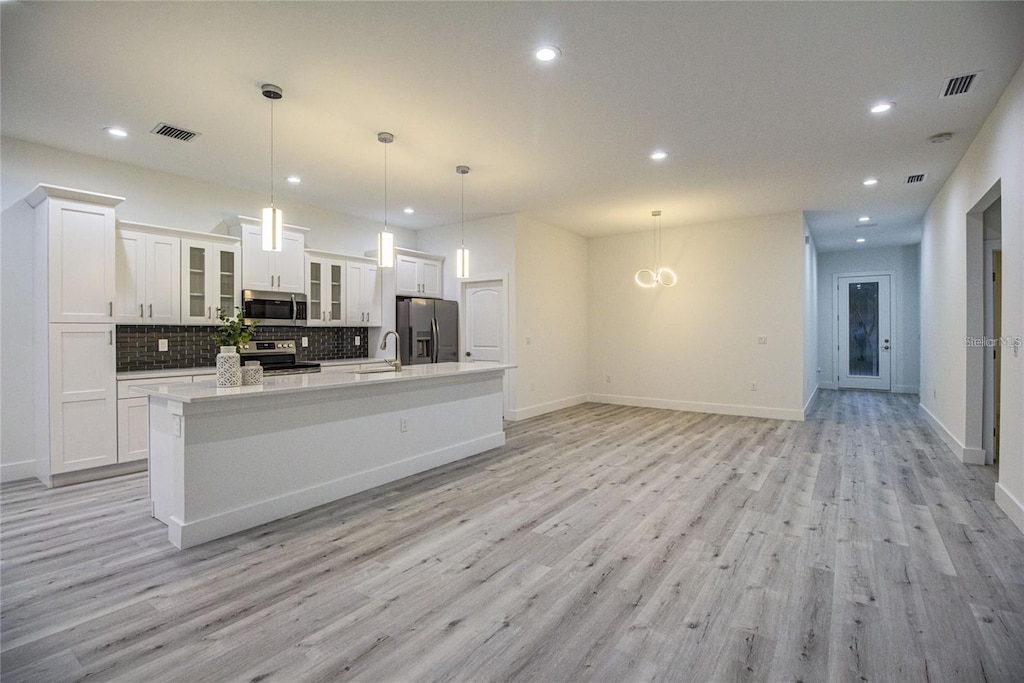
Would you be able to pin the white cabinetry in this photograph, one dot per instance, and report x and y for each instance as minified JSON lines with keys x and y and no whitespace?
{"x":148,"y":268}
{"x":419,"y":276}
{"x":75,"y":249}
{"x":363,"y":298}
{"x":72,"y":313}
{"x":209,"y":279}
{"x":276,"y":271}
{"x":83,"y":396}
{"x":133,"y":416}
{"x":325,"y":290}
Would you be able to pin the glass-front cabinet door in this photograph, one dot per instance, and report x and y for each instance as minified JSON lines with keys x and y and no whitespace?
{"x":314,"y":293}
{"x":336,"y":314}
{"x":209,"y":281}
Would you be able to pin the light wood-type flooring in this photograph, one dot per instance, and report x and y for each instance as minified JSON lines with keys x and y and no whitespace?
{"x":602,"y":543}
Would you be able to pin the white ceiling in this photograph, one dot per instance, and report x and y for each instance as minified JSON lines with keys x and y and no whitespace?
{"x":762,"y":106}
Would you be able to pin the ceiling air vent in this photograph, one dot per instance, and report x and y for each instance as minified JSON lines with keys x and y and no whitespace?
{"x":916,"y":178}
{"x":169,"y":131}
{"x":959,"y":85}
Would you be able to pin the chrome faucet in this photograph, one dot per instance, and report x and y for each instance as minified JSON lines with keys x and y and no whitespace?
{"x":397,"y":362}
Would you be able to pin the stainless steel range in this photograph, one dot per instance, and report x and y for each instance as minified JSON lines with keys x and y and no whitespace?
{"x":276,"y":357}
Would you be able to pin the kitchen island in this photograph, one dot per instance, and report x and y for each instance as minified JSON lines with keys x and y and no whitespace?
{"x":227,"y":459}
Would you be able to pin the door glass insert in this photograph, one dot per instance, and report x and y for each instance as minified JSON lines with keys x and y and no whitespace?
{"x":197,"y":282}
{"x":863,"y":329}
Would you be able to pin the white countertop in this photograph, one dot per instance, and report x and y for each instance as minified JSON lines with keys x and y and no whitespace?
{"x":207,"y":390}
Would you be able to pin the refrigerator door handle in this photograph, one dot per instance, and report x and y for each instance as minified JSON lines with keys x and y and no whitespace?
{"x":437,"y":339}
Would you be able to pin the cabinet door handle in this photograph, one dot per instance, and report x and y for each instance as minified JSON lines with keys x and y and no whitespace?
{"x":110,"y":307}
{"x":141,"y":314}
{"x":110,"y":337}
{"x":278,"y":280}
{"x":209,"y":312}
{"x":151,"y":310}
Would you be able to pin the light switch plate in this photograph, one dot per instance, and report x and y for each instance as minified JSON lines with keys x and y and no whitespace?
{"x":161,"y":344}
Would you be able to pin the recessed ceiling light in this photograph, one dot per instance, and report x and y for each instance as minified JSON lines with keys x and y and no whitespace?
{"x":882,"y":107}
{"x":861,"y":240}
{"x":548,"y":53}
{"x":864,"y":219}
{"x":294,"y":179}
{"x":116,"y":132}
{"x":870,"y":181}
{"x":658,"y":155}
{"x":409,"y":209}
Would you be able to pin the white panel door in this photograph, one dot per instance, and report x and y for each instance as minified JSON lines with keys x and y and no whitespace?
{"x":485,"y":322}
{"x":370,"y":294}
{"x":432,"y":278}
{"x":407,"y":276}
{"x":864,"y":332}
{"x":257,"y":265}
{"x":83,"y":397}
{"x":130,"y":266}
{"x":81,"y":266}
{"x":132,"y":429}
{"x":163,"y":280}
{"x":290,"y":263}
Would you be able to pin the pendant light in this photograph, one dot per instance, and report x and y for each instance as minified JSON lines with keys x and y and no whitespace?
{"x":385,"y":238}
{"x":648,"y":278}
{"x":462,"y":254}
{"x":273,"y":220}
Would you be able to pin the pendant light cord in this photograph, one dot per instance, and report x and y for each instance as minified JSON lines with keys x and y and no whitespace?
{"x":272,"y":154}
{"x":385,"y":186}
{"x":463,"y":233}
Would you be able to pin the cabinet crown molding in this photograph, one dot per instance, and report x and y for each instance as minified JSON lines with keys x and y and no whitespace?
{"x":372,"y":253}
{"x":317,"y":253}
{"x":44,"y":191}
{"x":177,"y":232}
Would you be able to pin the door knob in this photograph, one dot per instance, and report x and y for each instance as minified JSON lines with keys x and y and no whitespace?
{"x":468,"y":354}
{"x":886,"y":341}
{"x":885,"y":348}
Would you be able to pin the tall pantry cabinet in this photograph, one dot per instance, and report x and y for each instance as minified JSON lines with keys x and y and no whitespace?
{"x":73,"y":332}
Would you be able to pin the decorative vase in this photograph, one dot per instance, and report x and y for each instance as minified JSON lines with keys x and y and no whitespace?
{"x":252,"y":372}
{"x":229,"y":367}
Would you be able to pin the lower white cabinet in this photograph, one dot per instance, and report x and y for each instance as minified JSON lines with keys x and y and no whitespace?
{"x":133,"y":415}
{"x":82,"y":415}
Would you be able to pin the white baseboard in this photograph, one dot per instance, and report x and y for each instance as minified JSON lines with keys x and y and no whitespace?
{"x":831,"y":386}
{"x":542,"y":408}
{"x":810,"y":402}
{"x":13,"y":471}
{"x":694,"y":407}
{"x":1010,"y":505}
{"x":225,"y":523}
{"x":968,"y":456}
{"x":906,"y":389}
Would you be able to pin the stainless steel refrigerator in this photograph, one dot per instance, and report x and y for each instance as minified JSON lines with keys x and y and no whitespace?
{"x":429,"y":329}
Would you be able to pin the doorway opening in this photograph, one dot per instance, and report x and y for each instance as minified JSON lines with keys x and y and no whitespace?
{"x":983,"y":346}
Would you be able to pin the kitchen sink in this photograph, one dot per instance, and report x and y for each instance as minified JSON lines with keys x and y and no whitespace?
{"x":373,"y":371}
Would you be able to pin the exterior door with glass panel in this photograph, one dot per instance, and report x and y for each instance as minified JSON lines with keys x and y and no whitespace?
{"x":864,"y":332}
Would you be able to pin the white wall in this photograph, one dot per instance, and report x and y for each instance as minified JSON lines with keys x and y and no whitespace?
{"x":995,"y":156}
{"x":552,"y":328}
{"x":811,"y":323}
{"x":903,"y":263}
{"x":151,"y":197}
{"x":694,"y":346}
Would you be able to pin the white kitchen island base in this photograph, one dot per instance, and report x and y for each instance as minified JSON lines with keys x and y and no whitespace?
{"x":225,"y":460}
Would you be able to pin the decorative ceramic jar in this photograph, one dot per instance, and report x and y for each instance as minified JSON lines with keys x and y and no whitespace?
{"x":252,"y":372}
{"x":229,"y":367}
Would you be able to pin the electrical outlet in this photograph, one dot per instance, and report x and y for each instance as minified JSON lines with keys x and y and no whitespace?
{"x":305,"y":342}
{"x":357,"y":340}
{"x":753,"y":386}
{"x":762,"y":339}
{"x":403,"y":425}
{"x":161,"y":345}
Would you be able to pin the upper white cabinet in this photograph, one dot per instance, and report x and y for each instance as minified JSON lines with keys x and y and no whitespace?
{"x":325,"y":290}
{"x":209,"y":279}
{"x":77,"y":229}
{"x":277,"y":271}
{"x":363,"y":297}
{"x":419,"y":275}
{"x":148,"y":268}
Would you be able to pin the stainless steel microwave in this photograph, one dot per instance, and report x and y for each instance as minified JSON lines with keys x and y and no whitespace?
{"x":274,"y":308}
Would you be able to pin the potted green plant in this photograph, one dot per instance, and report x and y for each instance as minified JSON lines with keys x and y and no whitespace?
{"x":231,"y":333}
{"x":234,"y":331}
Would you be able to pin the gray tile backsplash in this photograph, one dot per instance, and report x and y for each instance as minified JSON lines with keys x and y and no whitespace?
{"x":192,"y":346}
